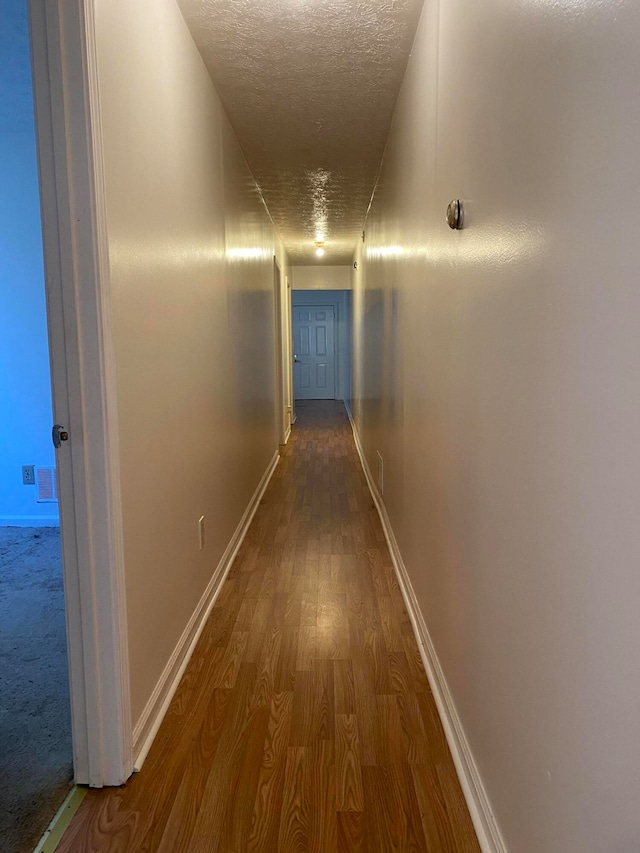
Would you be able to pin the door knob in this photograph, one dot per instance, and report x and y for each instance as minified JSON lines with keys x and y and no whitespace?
{"x":296,"y":359}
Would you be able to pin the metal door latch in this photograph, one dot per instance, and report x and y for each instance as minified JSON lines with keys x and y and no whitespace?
{"x":58,"y":435}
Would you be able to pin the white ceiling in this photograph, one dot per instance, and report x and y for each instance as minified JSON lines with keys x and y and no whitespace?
{"x":310,"y":87}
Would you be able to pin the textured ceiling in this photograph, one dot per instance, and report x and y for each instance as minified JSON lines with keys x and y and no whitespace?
{"x":310,"y":87}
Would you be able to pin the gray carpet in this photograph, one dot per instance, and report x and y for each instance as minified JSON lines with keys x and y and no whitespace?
{"x":35,"y":720}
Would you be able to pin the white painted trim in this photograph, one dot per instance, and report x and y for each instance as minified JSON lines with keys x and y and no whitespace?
{"x":280,"y":396}
{"x":76,"y":256}
{"x":147,"y":726}
{"x":287,"y":436}
{"x":484,"y":822}
{"x":288,"y":356}
{"x":29,"y":521}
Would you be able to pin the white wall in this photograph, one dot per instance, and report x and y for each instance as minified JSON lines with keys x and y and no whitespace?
{"x":341,"y":302}
{"x":320,"y":277}
{"x":25,"y":386}
{"x":496,"y":370}
{"x":191,"y":249}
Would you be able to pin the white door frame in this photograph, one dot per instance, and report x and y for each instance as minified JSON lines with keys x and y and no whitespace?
{"x":281,"y":412}
{"x":288,"y":354}
{"x":83,"y":384}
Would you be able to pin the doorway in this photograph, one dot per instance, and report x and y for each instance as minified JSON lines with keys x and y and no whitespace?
{"x":36,"y":751}
{"x":57,"y":41}
{"x":306,"y":304}
{"x":314,"y":358}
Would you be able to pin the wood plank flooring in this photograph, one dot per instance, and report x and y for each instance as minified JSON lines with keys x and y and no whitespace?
{"x":304,"y":721}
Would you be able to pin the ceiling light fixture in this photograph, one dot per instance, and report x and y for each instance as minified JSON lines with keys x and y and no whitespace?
{"x":319,"y":237}
{"x":319,"y":251}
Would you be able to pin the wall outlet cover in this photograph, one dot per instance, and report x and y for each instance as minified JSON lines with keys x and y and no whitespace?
{"x":28,"y":475}
{"x":201,"y":532}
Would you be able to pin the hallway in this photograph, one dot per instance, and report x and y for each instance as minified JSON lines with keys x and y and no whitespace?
{"x":304,"y":720}
{"x":453,"y":172}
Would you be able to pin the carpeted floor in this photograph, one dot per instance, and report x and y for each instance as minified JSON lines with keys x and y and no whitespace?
{"x":35,"y":721}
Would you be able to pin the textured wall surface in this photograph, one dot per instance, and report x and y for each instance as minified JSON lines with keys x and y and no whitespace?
{"x":310,"y":89}
{"x":497,"y":373}
{"x":191,"y":249}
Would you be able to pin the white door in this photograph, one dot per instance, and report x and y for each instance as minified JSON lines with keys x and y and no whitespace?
{"x":313,"y":352}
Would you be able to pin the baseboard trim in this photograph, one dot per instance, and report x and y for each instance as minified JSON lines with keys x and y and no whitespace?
{"x":287,"y":435}
{"x":484,"y":822}
{"x":147,"y":726}
{"x":29,"y":521}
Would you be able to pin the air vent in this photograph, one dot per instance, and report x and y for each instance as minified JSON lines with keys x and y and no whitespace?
{"x":47,"y":485}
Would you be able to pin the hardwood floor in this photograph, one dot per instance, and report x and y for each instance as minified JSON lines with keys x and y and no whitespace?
{"x":304,"y":721}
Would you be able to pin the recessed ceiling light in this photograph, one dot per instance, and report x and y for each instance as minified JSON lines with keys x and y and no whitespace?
{"x":320,"y":252}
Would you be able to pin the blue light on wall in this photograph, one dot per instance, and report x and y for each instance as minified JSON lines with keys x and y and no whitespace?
{"x":25,"y":388}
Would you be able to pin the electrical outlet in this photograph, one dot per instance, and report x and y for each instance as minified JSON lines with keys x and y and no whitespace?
{"x":201,"y":532}
{"x":28,"y":475}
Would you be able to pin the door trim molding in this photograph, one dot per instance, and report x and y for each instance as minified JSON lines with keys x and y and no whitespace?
{"x":288,"y":357}
{"x":70,"y":158}
{"x":281,"y":419}
{"x":484,"y":821}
